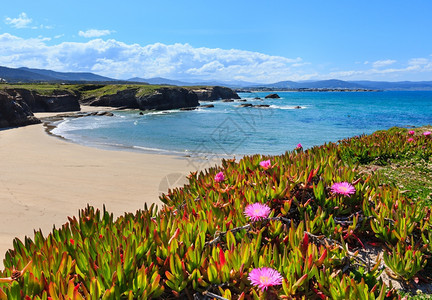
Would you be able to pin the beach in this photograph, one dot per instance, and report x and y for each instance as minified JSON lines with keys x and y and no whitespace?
{"x":45,"y":179}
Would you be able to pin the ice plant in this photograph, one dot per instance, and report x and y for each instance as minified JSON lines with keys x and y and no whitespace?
{"x":410,"y":140}
{"x":343,"y":188}
{"x":299,"y":146}
{"x":265,"y":164}
{"x":219,"y":177}
{"x":257,"y":211}
{"x":15,"y":274}
{"x":426,"y":133}
{"x":265,"y":277}
{"x":411,"y":132}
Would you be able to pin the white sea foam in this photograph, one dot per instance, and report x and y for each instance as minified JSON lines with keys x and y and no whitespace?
{"x":287,"y":107}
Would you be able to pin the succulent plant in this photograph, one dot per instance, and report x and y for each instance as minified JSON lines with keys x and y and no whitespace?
{"x":201,"y":243}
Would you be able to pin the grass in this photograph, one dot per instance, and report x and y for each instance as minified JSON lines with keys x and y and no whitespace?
{"x":42,"y":89}
{"x":86,"y":90}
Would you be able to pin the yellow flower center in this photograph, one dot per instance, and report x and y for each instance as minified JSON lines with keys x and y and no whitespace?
{"x":264,"y":279}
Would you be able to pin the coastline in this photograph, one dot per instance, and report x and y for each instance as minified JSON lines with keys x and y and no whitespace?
{"x":45,"y":179}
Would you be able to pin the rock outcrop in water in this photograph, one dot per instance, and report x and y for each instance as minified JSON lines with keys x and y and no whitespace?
{"x":15,"y":112}
{"x":160,"y":99}
{"x":123,"y":98}
{"x":168,"y":98}
{"x":215,"y":93}
{"x":272,"y":96}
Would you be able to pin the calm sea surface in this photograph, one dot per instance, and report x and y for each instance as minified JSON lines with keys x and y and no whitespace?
{"x":229,"y":129}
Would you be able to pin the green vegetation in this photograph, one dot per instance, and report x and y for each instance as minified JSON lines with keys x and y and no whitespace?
{"x":42,"y":89}
{"x":201,"y":244}
{"x":85,"y":90}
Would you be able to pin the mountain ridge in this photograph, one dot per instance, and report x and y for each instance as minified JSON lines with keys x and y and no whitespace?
{"x":25,"y":75}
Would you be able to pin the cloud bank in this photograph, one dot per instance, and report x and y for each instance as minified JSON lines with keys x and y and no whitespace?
{"x":116,"y":59}
{"x":92,"y":33}
{"x":22,"y":21}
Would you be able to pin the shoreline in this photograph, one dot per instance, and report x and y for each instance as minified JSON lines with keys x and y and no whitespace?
{"x":51,"y":121}
{"x":46,"y":179}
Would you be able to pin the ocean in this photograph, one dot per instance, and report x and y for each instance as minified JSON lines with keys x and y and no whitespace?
{"x":227,"y":129}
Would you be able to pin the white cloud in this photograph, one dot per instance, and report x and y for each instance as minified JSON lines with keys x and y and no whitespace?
{"x":383,"y":63}
{"x":21,"y":22}
{"x":182,"y":61}
{"x":92,"y":33}
{"x":120,"y":60}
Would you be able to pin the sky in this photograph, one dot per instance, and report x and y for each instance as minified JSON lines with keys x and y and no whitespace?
{"x":226,"y":40}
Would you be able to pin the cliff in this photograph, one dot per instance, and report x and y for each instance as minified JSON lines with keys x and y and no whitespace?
{"x":168,"y":98}
{"x":144,"y":97}
{"x":15,"y":112}
{"x":121,"y":98}
{"x":215,"y":93}
{"x":20,"y":101}
{"x":57,"y":101}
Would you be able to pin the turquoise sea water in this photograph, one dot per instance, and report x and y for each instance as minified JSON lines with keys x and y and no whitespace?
{"x":228,"y":129}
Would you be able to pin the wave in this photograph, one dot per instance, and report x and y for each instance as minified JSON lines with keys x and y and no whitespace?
{"x":286,"y":107}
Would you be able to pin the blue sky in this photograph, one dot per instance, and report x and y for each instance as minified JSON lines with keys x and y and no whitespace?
{"x":250,"y":40}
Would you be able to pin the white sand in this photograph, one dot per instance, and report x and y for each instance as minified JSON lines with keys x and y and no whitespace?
{"x":44,"y":179}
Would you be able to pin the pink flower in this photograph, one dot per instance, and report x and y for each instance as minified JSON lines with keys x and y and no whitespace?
{"x":343,"y":188}
{"x":410,"y":140}
{"x":426,"y":133}
{"x":299,"y":145}
{"x":257,"y":211}
{"x":265,"y":164}
{"x":265,"y":277}
{"x":219,"y":177}
{"x":411,"y":132}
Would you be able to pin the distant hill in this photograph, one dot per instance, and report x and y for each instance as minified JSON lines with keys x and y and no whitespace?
{"x":40,"y":75}
{"x":397,"y":86}
{"x":69,"y":76}
{"x":16,"y":75}
{"x":158,"y":80}
{"x":322,"y":84}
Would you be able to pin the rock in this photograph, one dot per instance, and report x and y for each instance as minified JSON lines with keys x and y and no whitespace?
{"x":141,"y":113}
{"x":257,"y":98}
{"x":215,"y":93}
{"x":123,"y":98}
{"x":262,"y":105}
{"x":297,"y":107}
{"x":105,"y":113}
{"x":15,"y":112}
{"x":168,"y":98}
{"x":161,"y":99}
{"x":207,"y":106}
{"x":242,"y":100}
{"x":246,"y":105}
{"x":59,"y":101}
{"x":227,"y":100}
{"x":273,"y":96}
{"x":188,"y":108}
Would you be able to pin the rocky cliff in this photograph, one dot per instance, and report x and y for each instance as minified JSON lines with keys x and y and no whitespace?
{"x":215,"y":93}
{"x":162,"y":98}
{"x":15,"y":112}
{"x":122,"y":98}
{"x":58,"y":101}
{"x":168,"y":98}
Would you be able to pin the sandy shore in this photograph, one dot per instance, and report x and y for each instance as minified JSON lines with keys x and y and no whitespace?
{"x":44,"y":179}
